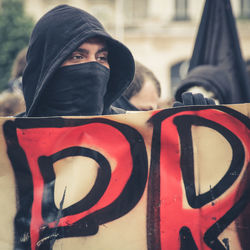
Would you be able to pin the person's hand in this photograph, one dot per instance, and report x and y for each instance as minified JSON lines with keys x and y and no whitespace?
{"x":193,"y":99}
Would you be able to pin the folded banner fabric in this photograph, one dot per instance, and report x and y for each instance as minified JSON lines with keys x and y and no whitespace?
{"x":167,"y":179}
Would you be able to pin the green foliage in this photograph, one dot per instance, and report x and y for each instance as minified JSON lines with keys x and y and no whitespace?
{"x":15,"y":29}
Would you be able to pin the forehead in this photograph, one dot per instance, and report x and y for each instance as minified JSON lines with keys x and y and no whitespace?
{"x":98,"y":41}
{"x":149,"y":89}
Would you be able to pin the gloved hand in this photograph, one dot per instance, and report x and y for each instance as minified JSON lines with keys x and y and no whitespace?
{"x":193,"y":99}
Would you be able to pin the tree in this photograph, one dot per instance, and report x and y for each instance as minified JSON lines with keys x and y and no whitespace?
{"x":15,"y":29}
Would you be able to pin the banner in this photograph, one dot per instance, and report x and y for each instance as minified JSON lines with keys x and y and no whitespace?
{"x":166,"y":179}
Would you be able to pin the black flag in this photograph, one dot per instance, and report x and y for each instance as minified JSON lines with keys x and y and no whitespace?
{"x":217,"y":44}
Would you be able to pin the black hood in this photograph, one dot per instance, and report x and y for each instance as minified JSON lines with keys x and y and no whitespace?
{"x":56,"y":35}
{"x":212,"y":78}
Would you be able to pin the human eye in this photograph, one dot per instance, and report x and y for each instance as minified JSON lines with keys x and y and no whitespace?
{"x":76,"y":56}
{"x":102,"y":57}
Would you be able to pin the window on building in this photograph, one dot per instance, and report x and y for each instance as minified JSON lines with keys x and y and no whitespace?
{"x":135,"y":10}
{"x":103,"y":10}
{"x":104,"y":13}
{"x":181,"y":10}
{"x":245,"y":8}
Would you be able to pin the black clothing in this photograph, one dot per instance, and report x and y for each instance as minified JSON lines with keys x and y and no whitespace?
{"x":81,"y":96}
{"x":211,"y":78}
{"x":123,"y":103}
{"x":217,"y":44}
{"x":188,"y":99}
{"x":56,"y":35}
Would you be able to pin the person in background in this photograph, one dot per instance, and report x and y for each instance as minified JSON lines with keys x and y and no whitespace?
{"x":11,"y":103}
{"x":11,"y":99}
{"x":209,"y":80}
{"x":15,"y":82}
{"x":143,"y":93}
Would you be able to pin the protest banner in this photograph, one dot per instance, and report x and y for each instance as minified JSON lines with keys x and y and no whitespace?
{"x":166,"y":179}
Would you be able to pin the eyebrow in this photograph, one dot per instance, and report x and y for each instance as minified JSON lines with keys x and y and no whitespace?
{"x":104,"y":49}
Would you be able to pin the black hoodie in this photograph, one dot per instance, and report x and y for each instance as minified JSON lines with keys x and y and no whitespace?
{"x":210,"y":77}
{"x":56,"y":35}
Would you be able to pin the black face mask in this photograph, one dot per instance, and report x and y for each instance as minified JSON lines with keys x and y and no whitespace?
{"x":75,"y":90}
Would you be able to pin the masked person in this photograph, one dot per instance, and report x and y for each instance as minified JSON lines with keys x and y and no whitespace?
{"x":211,"y":81}
{"x":74,"y":67}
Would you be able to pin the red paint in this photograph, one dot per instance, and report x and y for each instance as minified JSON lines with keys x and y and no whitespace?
{"x":113,"y":145}
{"x":104,"y":138}
{"x":173,"y":216}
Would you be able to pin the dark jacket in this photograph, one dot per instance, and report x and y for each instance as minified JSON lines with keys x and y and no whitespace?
{"x":123,"y":103}
{"x":56,"y":35}
{"x":212,"y":78}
